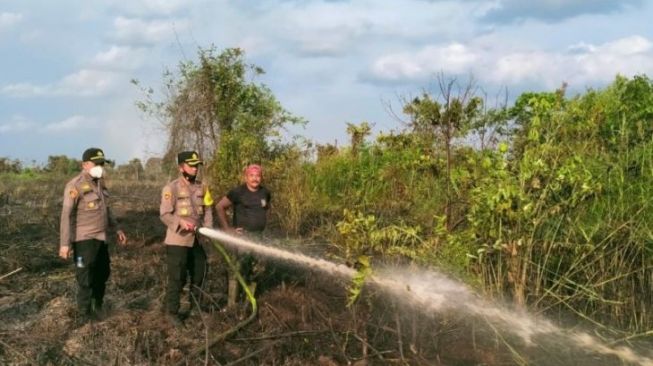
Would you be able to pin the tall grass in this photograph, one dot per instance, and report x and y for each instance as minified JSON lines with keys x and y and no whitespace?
{"x":559,"y":222}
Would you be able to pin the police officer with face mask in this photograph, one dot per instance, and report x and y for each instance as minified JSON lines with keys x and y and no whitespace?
{"x":185,"y":206}
{"x":85,"y":221}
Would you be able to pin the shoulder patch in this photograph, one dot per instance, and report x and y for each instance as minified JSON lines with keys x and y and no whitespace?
{"x":73,"y":193}
{"x":208,"y":199}
{"x":167,"y":196}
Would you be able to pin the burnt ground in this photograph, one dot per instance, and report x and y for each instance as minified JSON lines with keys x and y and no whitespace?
{"x":302,"y":316}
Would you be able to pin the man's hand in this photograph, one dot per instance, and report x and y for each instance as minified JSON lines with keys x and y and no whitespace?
{"x":187,"y":225}
{"x":122,"y":238}
{"x":64,"y":252}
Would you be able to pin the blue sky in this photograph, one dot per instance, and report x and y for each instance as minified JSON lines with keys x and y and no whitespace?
{"x":67,"y":64}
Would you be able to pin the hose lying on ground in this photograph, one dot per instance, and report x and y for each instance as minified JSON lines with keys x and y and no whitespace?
{"x":250,"y":297}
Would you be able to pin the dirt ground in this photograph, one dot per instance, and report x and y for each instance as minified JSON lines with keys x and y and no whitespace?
{"x":302,"y":318}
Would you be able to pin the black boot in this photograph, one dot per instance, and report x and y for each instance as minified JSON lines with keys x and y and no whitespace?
{"x":84,"y":315}
{"x":98,"y":311}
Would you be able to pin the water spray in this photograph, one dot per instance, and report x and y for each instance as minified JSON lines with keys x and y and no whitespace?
{"x":436,"y":293}
{"x":244,"y":244}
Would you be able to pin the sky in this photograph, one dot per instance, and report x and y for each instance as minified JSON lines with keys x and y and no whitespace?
{"x":67,"y":64}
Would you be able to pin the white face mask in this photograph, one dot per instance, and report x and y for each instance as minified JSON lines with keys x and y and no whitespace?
{"x":96,"y":172}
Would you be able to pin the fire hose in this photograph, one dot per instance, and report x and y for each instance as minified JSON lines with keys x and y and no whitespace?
{"x":216,"y":236}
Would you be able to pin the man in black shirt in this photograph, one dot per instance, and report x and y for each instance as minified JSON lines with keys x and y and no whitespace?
{"x":251,"y":204}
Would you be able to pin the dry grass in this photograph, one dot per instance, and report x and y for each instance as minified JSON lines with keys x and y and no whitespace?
{"x":302,"y":318}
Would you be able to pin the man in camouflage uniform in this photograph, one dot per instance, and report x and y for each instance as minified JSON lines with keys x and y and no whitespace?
{"x":185,"y":206}
{"x":85,"y":220}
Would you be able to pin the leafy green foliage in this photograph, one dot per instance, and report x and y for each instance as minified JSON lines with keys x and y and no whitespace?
{"x":363,"y":235}
{"x":250,"y":118}
{"x":358,"y":134}
{"x":571,"y":197}
{"x":213,"y":106}
{"x":363,"y":271}
{"x":444,"y":121}
{"x":552,"y":211}
{"x":10,"y":166}
{"x":61,"y":164}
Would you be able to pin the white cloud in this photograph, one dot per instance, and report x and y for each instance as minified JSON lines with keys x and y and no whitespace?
{"x":523,"y":67}
{"x":451,"y":58}
{"x":73,"y":123}
{"x":88,"y":82}
{"x":85,"y":82}
{"x":21,"y":124}
{"x":595,"y":64}
{"x":322,"y":28}
{"x":8,"y":20}
{"x":106,"y":71}
{"x":25,"y":90}
{"x":16,"y":124}
{"x":120,"y":58}
{"x":581,"y":65}
{"x":626,"y":46}
{"x":139,"y":31}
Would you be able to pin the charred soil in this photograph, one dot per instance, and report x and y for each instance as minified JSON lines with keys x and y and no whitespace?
{"x":302,"y":316}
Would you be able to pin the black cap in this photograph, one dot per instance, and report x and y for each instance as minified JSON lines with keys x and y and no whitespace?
{"x":94,"y":154}
{"x":191,"y":158}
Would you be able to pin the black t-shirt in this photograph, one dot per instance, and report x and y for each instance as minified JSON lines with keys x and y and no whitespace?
{"x":249,"y":207}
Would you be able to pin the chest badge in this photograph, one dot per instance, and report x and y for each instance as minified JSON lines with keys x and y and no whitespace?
{"x":91,"y":205}
{"x":263,"y":202}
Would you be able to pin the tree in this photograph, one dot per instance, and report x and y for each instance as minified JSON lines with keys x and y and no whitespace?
{"x":10,"y":166}
{"x":629,"y":120}
{"x":61,"y":164}
{"x":214,"y":101}
{"x":153,"y":167}
{"x":445,"y":120}
{"x":358,"y":134}
{"x":214,"y":107}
